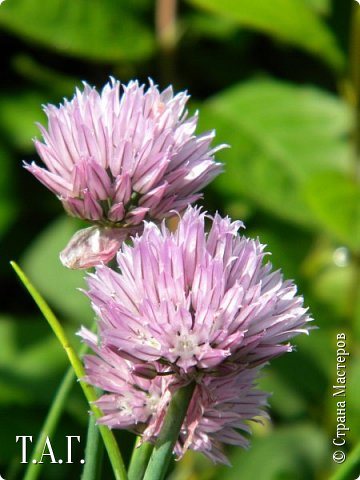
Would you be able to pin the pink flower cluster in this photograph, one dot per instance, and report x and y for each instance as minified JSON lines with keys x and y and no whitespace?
{"x":117,"y":158}
{"x":192,"y":305}
{"x":219,"y":411}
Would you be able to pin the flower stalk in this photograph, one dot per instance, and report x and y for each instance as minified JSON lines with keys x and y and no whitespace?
{"x":89,"y":392}
{"x":191,"y":314}
{"x":93,"y":452}
{"x":164,"y":446}
{"x":139,"y":460}
{"x":189,"y":305}
{"x":33,"y":470}
{"x":350,"y":468}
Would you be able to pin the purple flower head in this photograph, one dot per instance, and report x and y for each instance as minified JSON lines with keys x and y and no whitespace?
{"x":218,"y":413}
{"x":194,"y":301}
{"x":131,"y":402}
{"x":117,"y":158}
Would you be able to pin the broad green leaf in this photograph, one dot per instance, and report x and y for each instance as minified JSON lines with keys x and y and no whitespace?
{"x":330,"y":272}
{"x":202,"y":24}
{"x":334,"y":200}
{"x":292,"y":21}
{"x":286,"y":453}
{"x":280,"y":135}
{"x":332,"y":286}
{"x":56,"y":283}
{"x":101,"y":30}
{"x":321,"y":6}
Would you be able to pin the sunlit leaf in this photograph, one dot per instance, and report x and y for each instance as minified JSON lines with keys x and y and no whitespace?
{"x":202,"y":25}
{"x":102,"y":30}
{"x":334,"y":200}
{"x":332,"y":286}
{"x":280,"y":135}
{"x":321,"y":6}
{"x":292,"y":21}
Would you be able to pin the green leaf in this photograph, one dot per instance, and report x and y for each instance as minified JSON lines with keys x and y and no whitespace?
{"x":321,"y":6}
{"x":292,"y":21}
{"x":101,"y":30}
{"x":201,"y":24}
{"x":332,"y":286}
{"x":93,"y":452}
{"x":335,"y":203}
{"x":280,"y":135}
{"x":58,"y":284}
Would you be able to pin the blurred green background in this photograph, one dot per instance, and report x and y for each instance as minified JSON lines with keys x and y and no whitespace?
{"x":280,"y":82}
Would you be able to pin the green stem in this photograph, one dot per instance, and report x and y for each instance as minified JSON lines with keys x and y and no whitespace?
{"x":93,"y":452}
{"x":350,"y":468}
{"x":34,"y":469}
{"x":52,"y":419}
{"x":164,"y":446}
{"x":89,"y":392}
{"x":139,"y":460}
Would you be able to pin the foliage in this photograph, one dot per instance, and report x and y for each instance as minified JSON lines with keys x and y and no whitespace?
{"x":273,"y":79}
